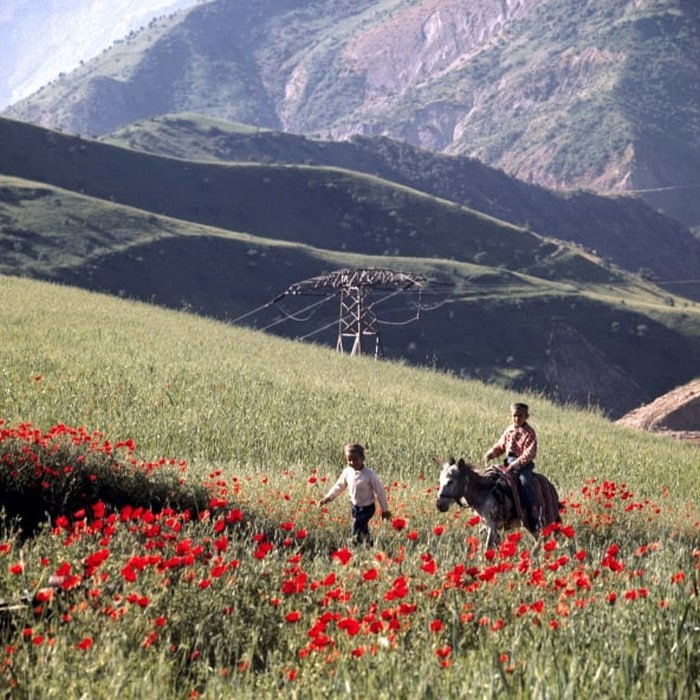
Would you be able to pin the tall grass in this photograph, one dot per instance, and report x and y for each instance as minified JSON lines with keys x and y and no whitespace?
{"x":262,"y":593}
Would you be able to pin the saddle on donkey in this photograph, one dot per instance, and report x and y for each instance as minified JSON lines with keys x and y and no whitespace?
{"x":542,"y":507}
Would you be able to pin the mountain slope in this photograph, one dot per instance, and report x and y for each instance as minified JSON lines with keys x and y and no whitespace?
{"x":601,"y":94}
{"x":490,"y":320}
{"x":663,"y":249}
{"x":33,"y":45}
{"x":326,"y":207}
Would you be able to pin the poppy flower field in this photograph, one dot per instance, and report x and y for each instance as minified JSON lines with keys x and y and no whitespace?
{"x":197,"y":575}
{"x":259,"y":588}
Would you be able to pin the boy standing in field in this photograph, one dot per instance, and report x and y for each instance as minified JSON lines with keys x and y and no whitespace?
{"x":519,"y":445}
{"x":363,"y":487}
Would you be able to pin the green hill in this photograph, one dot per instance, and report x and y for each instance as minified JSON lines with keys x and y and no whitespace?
{"x":622,"y":230}
{"x":504,"y":304}
{"x":263,"y":590}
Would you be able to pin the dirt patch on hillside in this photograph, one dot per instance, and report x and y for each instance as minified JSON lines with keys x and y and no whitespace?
{"x":675,"y":414}
{"x":578,"y":372}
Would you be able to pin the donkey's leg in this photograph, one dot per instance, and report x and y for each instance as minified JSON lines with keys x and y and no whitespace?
{"x":493,"y":539}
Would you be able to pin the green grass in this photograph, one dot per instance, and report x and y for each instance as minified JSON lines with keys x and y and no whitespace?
{"x":512,"y":285}
{"x":171,"y":606}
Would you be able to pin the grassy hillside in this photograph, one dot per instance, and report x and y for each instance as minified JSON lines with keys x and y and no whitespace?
{"x":182,"y":385}
{"x":263,"y":593}
{"x":662,"y":247}
{"x":108,"y":350}
{"x":477,"y":320}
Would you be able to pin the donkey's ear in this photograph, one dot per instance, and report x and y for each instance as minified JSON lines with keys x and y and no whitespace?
{"x":461,"y":463}
{"x":452,"y":461}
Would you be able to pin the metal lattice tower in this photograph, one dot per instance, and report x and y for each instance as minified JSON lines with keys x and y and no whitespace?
{"x":357,"y":323}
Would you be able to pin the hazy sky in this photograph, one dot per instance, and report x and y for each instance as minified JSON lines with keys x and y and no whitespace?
{"x":41,"y":38}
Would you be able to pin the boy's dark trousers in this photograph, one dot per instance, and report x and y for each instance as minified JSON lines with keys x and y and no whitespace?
{"x":527,"y":495}
{"x":361,"y":515}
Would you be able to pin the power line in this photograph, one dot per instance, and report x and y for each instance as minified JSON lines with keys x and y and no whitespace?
{"x":287,"y":317}
{"x":355,"y":287}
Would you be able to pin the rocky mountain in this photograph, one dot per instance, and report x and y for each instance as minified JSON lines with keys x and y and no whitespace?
{"x":41,"y":40}
{"x":597,"y":94}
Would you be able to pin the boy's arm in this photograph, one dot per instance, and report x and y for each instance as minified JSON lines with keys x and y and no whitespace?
{"x":340,"y":485}
{"x":499,"y":447}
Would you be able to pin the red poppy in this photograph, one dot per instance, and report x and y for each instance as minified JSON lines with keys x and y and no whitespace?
{"x":85,"y":643}
{"x":234,"y":516}
{"x":436,"y":626}
{"x":370,"y":574}
{"x":343,"y":555}
{"x":128,"y":573}
{"x":293,"y":616}
{"x":44,"y":595}
{"x":399,"y":523}
{"x":429,"y":567}
{"x":264,"y":548}
{"x":350,"y":625}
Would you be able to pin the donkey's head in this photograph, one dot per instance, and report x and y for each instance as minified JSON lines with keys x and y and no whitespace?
{"x":451,"y":484}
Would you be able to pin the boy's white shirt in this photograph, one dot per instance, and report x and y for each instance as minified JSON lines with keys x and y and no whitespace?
{"x":363,"y":487}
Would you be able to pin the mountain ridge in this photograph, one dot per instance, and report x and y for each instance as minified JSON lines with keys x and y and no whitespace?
{"x":663,"y":249}
{"x":143,"y":226}
{"x":602,"y":95}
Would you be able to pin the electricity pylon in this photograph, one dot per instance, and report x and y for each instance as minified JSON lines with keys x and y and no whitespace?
{"x":357,"y":323}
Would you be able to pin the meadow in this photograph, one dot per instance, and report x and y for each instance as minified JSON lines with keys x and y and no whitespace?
{"x":180,"y":462}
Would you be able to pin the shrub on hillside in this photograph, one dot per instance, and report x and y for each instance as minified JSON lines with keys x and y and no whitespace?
{"x":65,"y":470}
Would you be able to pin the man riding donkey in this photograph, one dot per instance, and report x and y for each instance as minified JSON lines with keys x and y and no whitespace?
{"x":519,"y":445}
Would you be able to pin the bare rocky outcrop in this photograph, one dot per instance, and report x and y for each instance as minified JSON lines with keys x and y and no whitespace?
{"x":676,"y":414}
